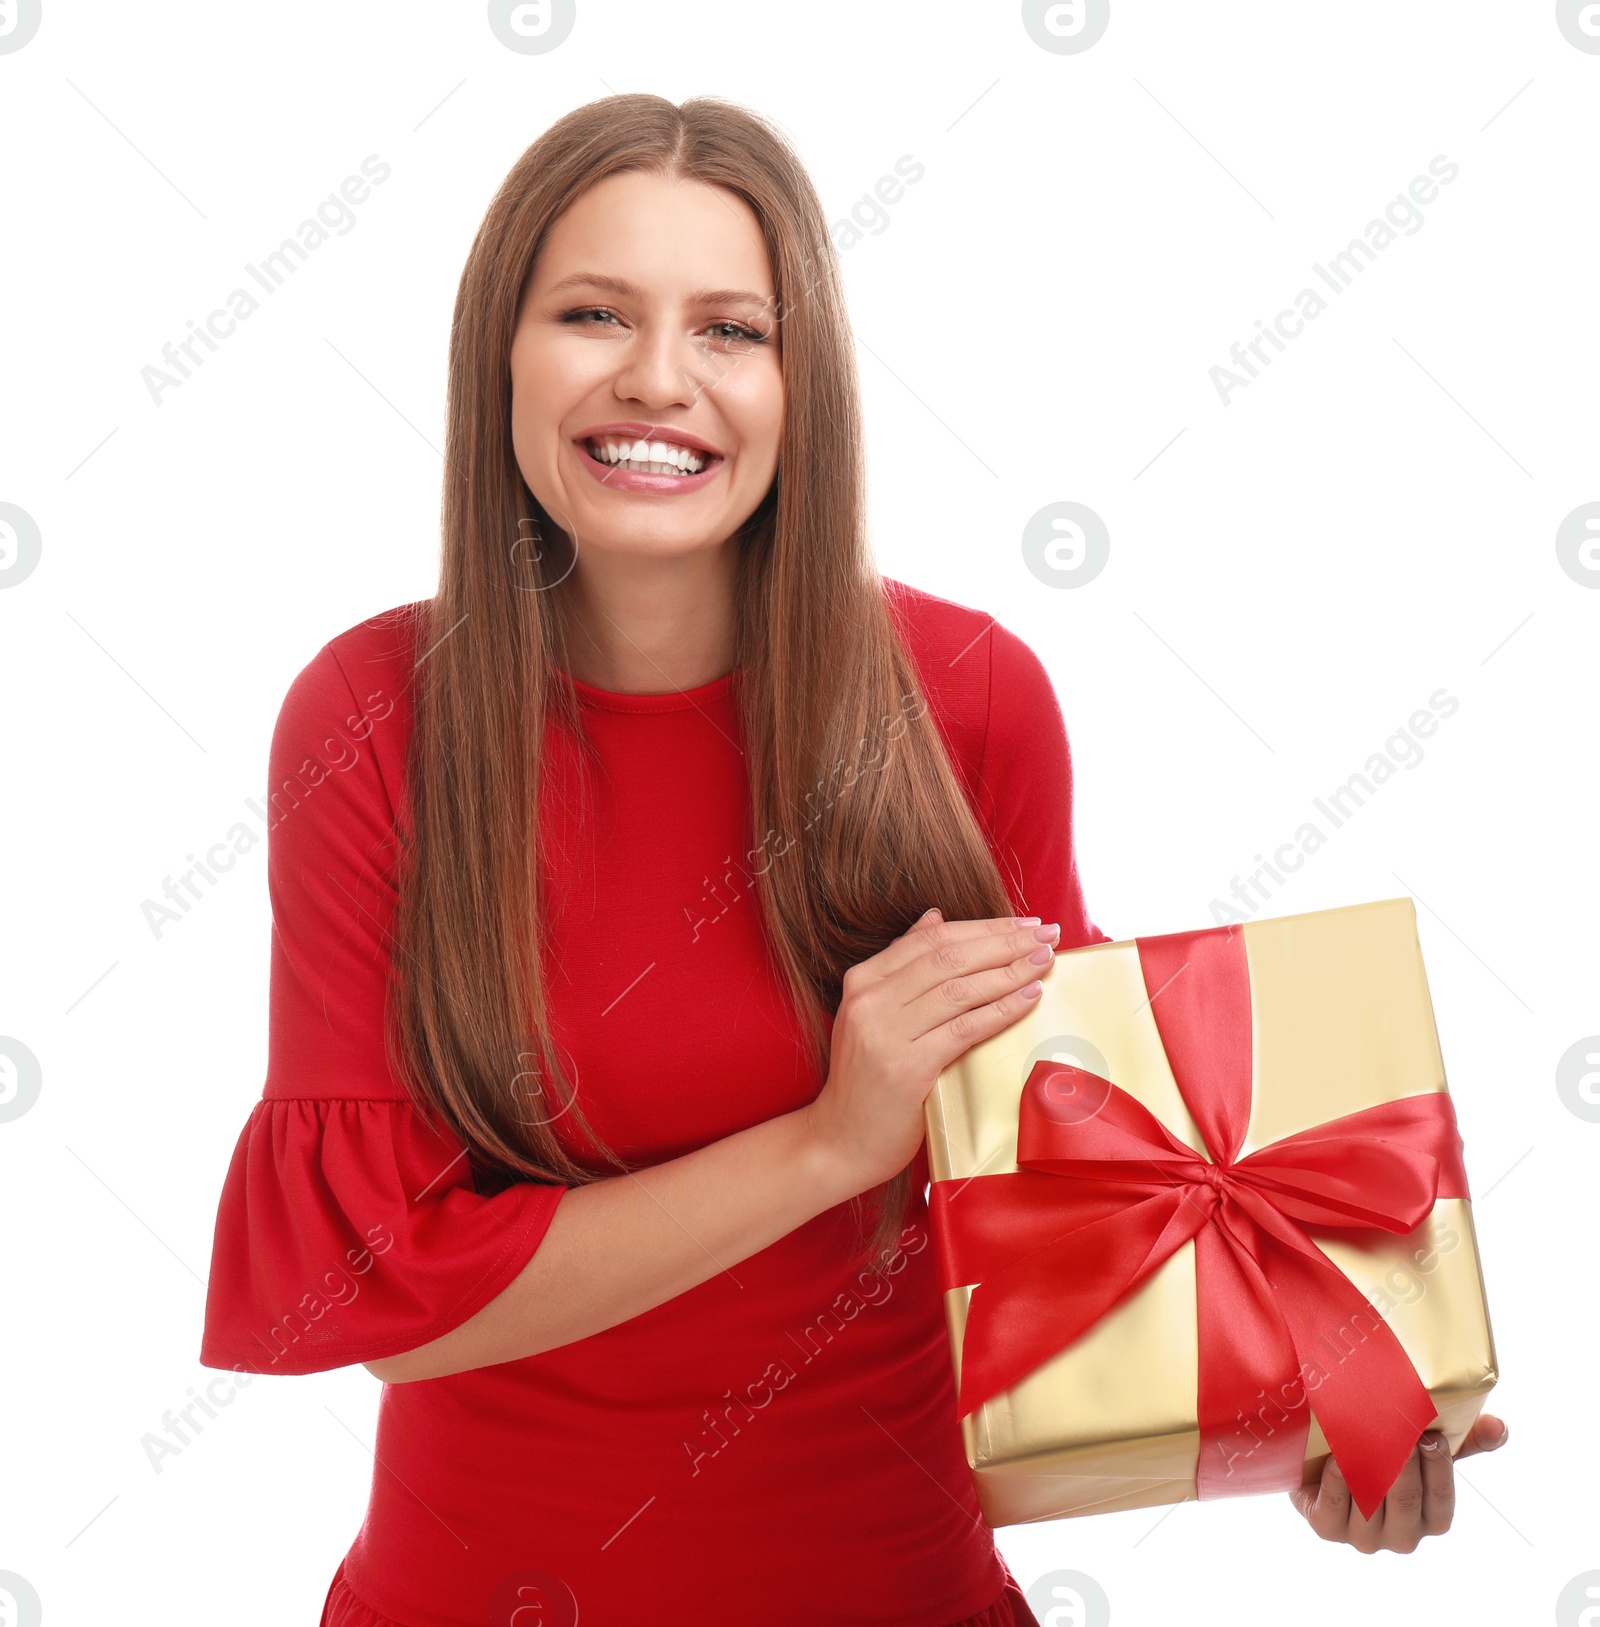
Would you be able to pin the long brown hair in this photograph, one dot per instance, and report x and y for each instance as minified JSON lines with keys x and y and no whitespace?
{"x":824,"y":687}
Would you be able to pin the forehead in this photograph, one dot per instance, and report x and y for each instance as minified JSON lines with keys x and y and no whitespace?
{"x":669,"y":235}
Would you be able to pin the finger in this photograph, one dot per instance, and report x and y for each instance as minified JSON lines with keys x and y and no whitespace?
{"x":1330,"y":1509}
{"x":931,"y":954}
{"x":940,"y":1046}
{"x":1364,"y":1535}
{"x":1486,"y":1434}
{"x":972,"y":973}
{"x":929,"y":917}
{"x":1397,"y":1523}
{"x":1438,"y":1484}
{"x":923,"y":932}
{"x":933,"y":915}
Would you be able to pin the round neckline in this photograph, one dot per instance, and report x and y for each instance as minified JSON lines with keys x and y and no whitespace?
{"x":672,"y":700}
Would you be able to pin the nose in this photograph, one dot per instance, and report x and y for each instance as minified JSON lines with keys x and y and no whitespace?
{"x":660,"y":368}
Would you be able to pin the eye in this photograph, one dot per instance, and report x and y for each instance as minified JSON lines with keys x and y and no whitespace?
{"x":726,"y":331}
{"x":737,"y":331}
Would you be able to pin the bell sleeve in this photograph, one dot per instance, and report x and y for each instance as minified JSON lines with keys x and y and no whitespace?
{"x":348,"y":1227}
{"x":1025,"y":790}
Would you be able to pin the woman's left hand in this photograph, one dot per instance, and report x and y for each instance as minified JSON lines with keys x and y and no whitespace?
{"x":1420,"y":1504}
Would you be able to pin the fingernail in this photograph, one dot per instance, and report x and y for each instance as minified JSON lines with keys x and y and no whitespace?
{"x":1434,"y":1443}
{"x":1029,"y":920}
{"x":1505,"y":1433}
{"x":1046,"y":934}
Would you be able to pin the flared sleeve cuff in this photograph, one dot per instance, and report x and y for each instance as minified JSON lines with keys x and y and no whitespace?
{"x":349,"y":1230}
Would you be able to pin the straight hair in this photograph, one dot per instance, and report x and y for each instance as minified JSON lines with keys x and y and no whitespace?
{"x":823,"y":683}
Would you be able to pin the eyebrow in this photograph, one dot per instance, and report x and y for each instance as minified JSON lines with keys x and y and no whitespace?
{"x":629,"y":290}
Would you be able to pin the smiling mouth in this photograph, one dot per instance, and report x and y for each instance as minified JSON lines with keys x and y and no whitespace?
{"x":648,"y":457}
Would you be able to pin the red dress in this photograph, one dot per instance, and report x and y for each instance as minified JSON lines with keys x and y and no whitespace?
{"x":777,"y":1445}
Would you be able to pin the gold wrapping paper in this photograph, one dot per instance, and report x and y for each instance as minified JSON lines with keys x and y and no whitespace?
{"x":1342,"y":1020}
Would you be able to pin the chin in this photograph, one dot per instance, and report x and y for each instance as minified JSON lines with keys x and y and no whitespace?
{"x":653,"y":534}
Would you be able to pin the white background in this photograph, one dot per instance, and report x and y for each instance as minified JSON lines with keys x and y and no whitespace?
{"x":1291,"y":575}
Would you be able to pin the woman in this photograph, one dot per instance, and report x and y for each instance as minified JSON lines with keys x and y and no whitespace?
{"x":644,"y":1210}
{"x":633,"y":1228}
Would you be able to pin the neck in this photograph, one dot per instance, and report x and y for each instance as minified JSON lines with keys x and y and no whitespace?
{"x":640,"y":626}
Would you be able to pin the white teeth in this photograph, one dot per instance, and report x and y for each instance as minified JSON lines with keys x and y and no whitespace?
{"x":651,"y":457}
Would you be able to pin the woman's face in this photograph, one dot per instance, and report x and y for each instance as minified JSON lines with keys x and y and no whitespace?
{"x":650,"y":316}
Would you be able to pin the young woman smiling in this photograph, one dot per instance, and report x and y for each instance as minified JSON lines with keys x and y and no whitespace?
{"x":609,"y":981}
{"x":610,"y":976}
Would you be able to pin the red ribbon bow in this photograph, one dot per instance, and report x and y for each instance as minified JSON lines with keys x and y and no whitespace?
{"x":1051,"y":1256}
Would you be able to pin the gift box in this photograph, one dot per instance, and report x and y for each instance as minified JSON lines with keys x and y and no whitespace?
{"x":1201,"y":1217}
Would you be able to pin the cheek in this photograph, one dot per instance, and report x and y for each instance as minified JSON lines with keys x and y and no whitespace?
{"x":530,"y":433}
{"x":547,"y":380}
{"x":753,"y":402}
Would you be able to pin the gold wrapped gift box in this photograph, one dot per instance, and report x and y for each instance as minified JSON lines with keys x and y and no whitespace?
{"x":1341,"y":1020}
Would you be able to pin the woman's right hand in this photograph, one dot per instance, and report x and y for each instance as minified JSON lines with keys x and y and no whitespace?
{"x":905,"y":1015}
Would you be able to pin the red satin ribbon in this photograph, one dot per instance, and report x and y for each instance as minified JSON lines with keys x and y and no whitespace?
{"x":1282,"y":1331}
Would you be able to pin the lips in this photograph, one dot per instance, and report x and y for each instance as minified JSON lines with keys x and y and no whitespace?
{"x":637,"y":482}
{"x":637,"y":431}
